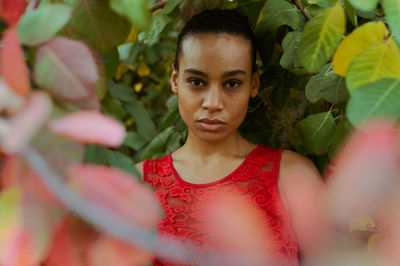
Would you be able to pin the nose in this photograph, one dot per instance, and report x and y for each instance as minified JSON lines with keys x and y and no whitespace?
{"x":213,"y":99}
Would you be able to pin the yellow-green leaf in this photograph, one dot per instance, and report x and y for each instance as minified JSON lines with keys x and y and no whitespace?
{"x":9,"y":213}
{"x":321,"y":36}
{"x":360,"y":39}
{"x":377,"y":62}
{"x":364,"y":5}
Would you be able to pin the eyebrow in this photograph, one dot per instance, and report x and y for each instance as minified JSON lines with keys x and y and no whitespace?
{"x":226,"y":74}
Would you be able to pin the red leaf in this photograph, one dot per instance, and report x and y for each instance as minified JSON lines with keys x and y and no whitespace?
{"x":11,"y":10}
{"x":12,"y":64}
{"x":71,"y":243}
{"x":117,"y":191}
{"x":67,"y":68}
{"x":111,"y":251}
{"x":90,"y":127}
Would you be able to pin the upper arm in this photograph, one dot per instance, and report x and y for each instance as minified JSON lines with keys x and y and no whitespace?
{"x":302,"y":190}
{"x":139,"y":167}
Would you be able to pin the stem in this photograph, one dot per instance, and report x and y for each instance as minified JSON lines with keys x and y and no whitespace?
{"x":158,"y":5}
{"x":300,"y":7}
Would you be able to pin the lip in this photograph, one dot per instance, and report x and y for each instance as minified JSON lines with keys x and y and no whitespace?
{"x":211,"y":124}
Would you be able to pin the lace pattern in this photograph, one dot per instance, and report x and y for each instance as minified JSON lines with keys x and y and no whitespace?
{"x":256,"y":178}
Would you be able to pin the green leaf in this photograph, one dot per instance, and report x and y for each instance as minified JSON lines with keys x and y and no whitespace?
{"x":157,"y":145}
{"x":94,"y":21}
{"x":317,"y":132}
{"x":122,"y":161}
{"x":135,"y":10}
{"x":111,"y":62}
{"x":174,"y":142}
{"x":134,"y":140}
{"x":327,"y":85}
{"x":377,"y":62}
{"x":289,"y":44}
{"x":170,"y":6}
{"x":278,"y":13}
{"x":43,"y":23}
{"x":144,"y":124}
{"x":320,"y":37}
{"x":364,"y":5}
{"x":95,"y":155}
{"x":392,"y":11}
{"x":351,"y":13}
{"x":121,"y":92}
{"x":251,"y":9}
{"x":380,"y":98}
{"x":160,"y":21}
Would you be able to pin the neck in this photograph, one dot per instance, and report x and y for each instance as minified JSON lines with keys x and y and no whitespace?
{"x":233,"y":145}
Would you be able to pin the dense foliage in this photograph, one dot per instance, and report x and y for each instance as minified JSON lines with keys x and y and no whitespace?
{"x":327,"y":66}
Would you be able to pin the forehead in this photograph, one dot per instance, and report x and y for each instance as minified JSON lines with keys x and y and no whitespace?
{"x":216,"y":50}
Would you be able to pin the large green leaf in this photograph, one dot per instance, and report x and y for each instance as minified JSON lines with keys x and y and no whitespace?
{"x":289,"y":44}
{"x":134,"y":140}
{"x":278,"y":13}
{"x":317,"y":132}
{"x":135,"y":10}
{"x":94,"y":21}
{"x":364,"y":5}
{"x":67,"y":68}
{"x":320,"y":37}
{"x":377,"y":62}
{"x":160,"y":21}
{"x":327,"y":85}
{"x":157,"y":145}
{"x":144,"y":124}
{"x":121,"y":92}
{"x":392,"y":11}
{"x":380,"y":98}
{"x":122,"y":161}
{"x":43,"y":23}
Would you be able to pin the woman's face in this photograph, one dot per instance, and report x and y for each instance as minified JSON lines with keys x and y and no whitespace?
{"x":214,"y":83}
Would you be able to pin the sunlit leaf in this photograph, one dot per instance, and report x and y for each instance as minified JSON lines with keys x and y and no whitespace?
{"x":379,"y":98}
{"x":392,"y":11}
{"x":12,"y":65}
{"x":317,"y":131}
{"x":360,"y":39}
{"x":43,"y":23}
{"x":27,"y":122}
{"x":67,"y":69}
{"x":377,"y":62}
{"x":90,"y":127}
{"x":94,"y":21}
{"x":117,"y":191}
{"x":327,"y":85}
{"x":107,"y":250}
{"x":364,"y":5}
{"x":11,"y":10}
{"x":320,"y":37}
{"x":135,"y":10}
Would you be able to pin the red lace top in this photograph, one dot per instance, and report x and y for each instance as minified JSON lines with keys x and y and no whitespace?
{"x":256,"y":178}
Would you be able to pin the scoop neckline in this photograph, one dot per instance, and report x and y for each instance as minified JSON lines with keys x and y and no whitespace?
{"x":214,"y":182}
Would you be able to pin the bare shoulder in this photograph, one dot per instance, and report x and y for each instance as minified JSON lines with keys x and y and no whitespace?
{"x":139,"y":167}
{"x":293,"y":163}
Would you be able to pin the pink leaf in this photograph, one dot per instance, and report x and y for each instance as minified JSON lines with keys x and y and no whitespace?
{"x":67,"y":68}
{"x":12,"y":64}
{"x":12,"y":10}
{"x":111,"y":251}
{"x":365,"y":172}
{"x":90,"y":127}
{"x":27,"y":122}
{"x":117,"y":191}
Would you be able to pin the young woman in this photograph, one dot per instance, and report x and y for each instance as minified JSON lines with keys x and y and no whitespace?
{"x":214,"y":75}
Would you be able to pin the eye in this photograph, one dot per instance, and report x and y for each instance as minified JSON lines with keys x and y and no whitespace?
{"x":232,"y":83}
{"x":196,"y":82}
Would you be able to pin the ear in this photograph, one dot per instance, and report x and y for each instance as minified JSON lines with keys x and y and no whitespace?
{"x":255,"y":83}
{"x":174,"y":79}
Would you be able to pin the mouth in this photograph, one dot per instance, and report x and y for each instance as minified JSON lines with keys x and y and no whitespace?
{"x":211,"y":124}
